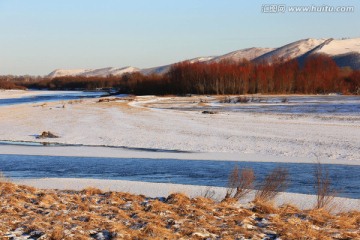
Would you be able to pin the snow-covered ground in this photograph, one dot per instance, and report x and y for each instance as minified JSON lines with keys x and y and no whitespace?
{"x":166,"y":124}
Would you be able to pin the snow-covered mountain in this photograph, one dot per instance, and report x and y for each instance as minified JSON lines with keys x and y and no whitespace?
{"x":340,"y":47}
{"x":346,"y":52}
{"x":101,"y":72}
{"x":292,"y":50}
{"x":247,"y":53}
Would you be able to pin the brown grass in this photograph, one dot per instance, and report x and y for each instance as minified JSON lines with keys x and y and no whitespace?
{"x":81,"y":214}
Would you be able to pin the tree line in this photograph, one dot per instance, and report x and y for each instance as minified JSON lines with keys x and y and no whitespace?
{"x":318,"y":74}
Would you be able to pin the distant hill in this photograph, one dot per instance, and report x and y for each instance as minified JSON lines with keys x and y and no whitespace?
{"x":102,"y":72}
{"x":346,"y":52}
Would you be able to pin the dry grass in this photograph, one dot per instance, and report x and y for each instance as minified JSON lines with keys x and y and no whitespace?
{"x":85,"y":214}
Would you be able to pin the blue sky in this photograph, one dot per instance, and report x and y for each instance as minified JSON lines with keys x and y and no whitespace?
{"x":38,"y":36}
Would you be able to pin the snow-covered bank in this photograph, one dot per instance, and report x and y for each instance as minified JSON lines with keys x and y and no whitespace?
{"x":143,"y":124}
{"x":302,"y":201}
{"x":7,"y":94}
{"x":111,"y":152}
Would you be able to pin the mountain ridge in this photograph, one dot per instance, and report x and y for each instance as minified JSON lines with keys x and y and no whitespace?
{"x":345,"y":52}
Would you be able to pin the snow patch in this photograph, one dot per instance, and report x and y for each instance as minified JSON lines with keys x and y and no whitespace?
{"x":342,"y":46}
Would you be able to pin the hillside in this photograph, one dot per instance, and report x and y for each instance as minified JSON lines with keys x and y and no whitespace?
{"x":102,"y":72}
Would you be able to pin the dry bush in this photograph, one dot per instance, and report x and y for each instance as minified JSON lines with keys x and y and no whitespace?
{"x":240,"y":183}
{"x":324,"y":192}
{"x":273,"y":184}
{"x":208,"y":193}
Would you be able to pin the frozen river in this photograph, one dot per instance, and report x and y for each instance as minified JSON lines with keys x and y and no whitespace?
{"x":191,"y":172}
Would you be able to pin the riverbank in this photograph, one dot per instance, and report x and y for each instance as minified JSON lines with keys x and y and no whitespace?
{"x":301,"y":201}
{"x":54,"y":214}
{"x":8,"y":94}
{"x":29,"y":148}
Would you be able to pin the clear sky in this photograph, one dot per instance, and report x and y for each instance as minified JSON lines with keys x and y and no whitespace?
{"x":38,"y":36}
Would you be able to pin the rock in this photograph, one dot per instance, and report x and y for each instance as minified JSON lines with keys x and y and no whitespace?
{"x":248,"y":226}
{"x":103,"y":235}
{"x":204,"y":235}
{"x":84,"y":219}
{"x":271,"y":236}
{"x":126,"y":206}
{"x":209,"y":112}
{"x":47,"y":135}
{"x":18,"y":231}
{"x":36,"y":234}
{"x":10,"y":235}
{"x":138,"y":226}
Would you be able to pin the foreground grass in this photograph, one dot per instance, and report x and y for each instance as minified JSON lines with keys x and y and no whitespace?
{"x":92,"y":214}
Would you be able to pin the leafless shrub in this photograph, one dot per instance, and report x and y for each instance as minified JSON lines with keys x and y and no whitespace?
{"x":208,"y":193}
{"x":242,"y":100}
{"x":274,"y":183}
{"x":324,"y":192}
{"x":240,"y":183}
